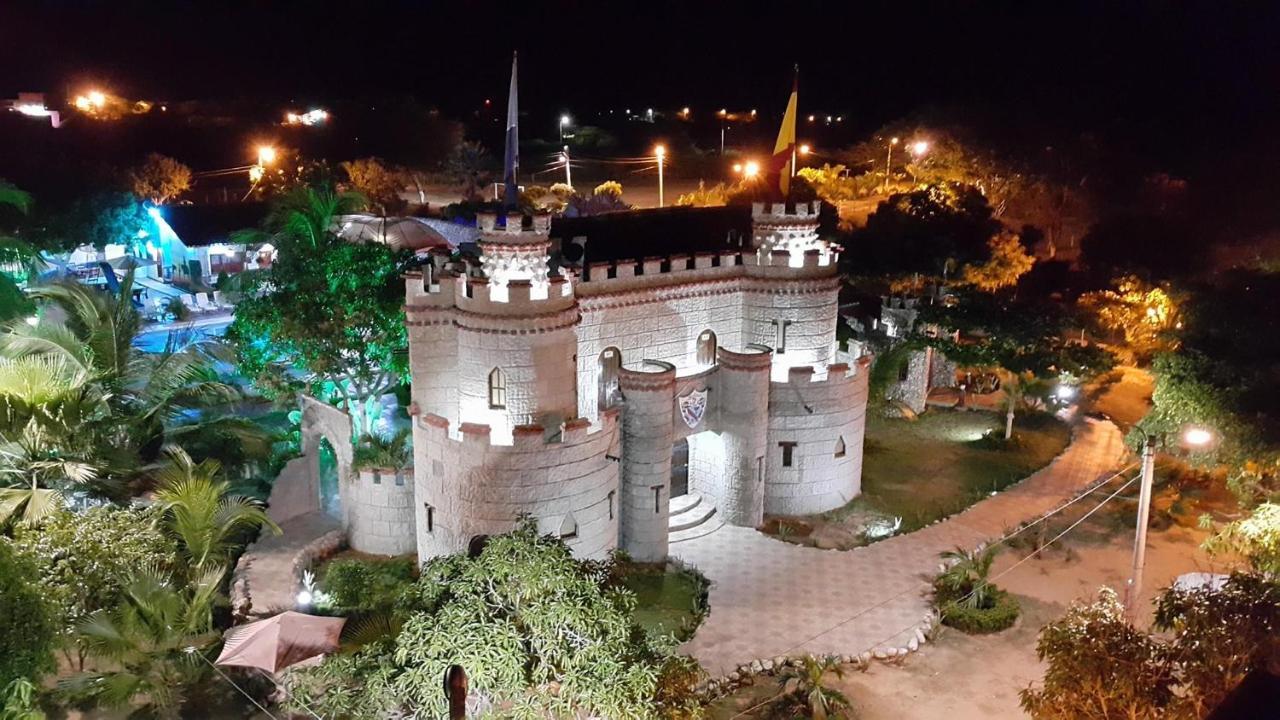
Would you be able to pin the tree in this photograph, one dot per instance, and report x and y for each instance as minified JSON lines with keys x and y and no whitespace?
{"x":965,"y":578}
{"x":202,"y":513}
{"x":328,"y":315}
{"x":1008,"y":262}
{"x":469,"y":165}
{"x":932,"y":230}
{"x":1143,"y":314}
{"x":538,"y":631}
{"x":159,"y":179}
{"x":19,"y":260}
{"x":704,"y":196}
{"x":831,"y":182}
{"x":609,"y":188}
{"x":379,"y":183}
{"x":1100,"y":667}
{"x":83,"y":558}
{"x":117,"y":405}
{"x":150,"y":641}
{"x":108,"y":218}
{"x":27,"y":632}
{"x":1256,"y":537}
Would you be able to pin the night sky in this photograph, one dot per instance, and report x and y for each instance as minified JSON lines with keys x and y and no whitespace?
{"x":1192,"y":86}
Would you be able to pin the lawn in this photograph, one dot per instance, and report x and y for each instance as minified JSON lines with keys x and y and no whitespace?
{"x":670,"y":601}
{"x":917,"y":471}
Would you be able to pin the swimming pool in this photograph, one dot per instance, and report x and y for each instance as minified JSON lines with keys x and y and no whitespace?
{"x":154,"y":340}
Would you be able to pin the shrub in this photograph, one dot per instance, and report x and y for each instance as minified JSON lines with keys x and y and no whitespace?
{"x":390,"y":452}
{"x":539,"y":632}
{"x":175,"y":308}
{"x":367,"y":584}
{"x":28,"y":634}
{"x":82,"y":559}
{"x":1000,"y":614}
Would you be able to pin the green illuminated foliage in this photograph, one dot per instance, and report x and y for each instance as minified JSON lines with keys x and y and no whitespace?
{"x":328,"y":315}
{"x":27,"y":631}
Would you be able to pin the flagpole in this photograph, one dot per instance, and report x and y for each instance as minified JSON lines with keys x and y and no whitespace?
{"x":795,"y":88}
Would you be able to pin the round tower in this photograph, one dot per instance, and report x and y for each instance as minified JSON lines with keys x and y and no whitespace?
{"x":517,"y":344}
{"x":792,"y":289}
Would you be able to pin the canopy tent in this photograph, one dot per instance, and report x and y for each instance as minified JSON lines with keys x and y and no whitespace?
{"x":409,"y":233}
{"x":276,"y":643}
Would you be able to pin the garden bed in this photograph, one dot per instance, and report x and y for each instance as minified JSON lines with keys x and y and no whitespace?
{"x":915,"y":472}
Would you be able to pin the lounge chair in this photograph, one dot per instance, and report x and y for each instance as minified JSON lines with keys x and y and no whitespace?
{"x":190,"y":302}
{"x":205,"y":302}
{"x":220,"y":299}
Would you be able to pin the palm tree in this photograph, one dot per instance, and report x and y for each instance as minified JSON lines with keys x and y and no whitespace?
{"x":965,"y":579}
{"x":202,"y":513}
{"x":806,"y":686}
{"x":43,"y":404}
{"x":150,"y":641}
{"x":149,"y":397}
{"x":304,"y":217}
{"x":392,"y":452}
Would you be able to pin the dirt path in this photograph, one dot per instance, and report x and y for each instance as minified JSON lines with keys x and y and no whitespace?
{"x":962,"y":677}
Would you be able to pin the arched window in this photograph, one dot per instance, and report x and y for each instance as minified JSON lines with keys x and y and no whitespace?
{"x":497,"y":389}
{"x":610,"y":362}
{"x":568,"y":528}
{"x":840,"y":446}
{"x":707,"y":348}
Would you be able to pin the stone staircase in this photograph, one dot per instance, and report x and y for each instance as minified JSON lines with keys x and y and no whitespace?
{"x":691,"y":518}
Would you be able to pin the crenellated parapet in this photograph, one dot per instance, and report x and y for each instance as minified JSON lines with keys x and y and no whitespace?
{"x":776,"y":227}
{"x":629,"y":275}
{"x":565,"y":478}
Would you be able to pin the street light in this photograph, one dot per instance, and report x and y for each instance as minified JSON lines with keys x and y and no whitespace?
{"x":751,"y":169}
{"x":661,"y":153}
{"x":1193,"y":437}
{"x":568,"y":178}
{"x":266,"y":155}
{"x":888,"y":161}
{"x":564,"y":120}
{"x":919,"y":147}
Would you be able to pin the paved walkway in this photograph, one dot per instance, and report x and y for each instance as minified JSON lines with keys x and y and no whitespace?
{"x":771,"y":598}
{"x":267,"y":565}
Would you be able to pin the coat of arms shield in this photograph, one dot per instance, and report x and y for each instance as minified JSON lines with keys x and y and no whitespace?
{"x":693,"y":406}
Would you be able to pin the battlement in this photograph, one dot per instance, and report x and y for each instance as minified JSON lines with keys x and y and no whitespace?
{"x":480,"y":295}
{"x":707,"y":266}
{"x":777,"y":213}
{"x":518,"y":229}
{"x":833,"y":374}
{"x":477,"y":436}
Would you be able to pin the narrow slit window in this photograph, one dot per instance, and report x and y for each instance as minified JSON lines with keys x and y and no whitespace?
{"x":788,"y":453}
{"x":497,"y":389}
{"x":657,"y":499}
{"x":431,"y":517}
{"x":612,"y":493}
{"x":780,"y":335}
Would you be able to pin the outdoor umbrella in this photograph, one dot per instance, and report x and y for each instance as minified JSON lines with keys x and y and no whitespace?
{"x":276,"y":643}
{"x":130,"y":262}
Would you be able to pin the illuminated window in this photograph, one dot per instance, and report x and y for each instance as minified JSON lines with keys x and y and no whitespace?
{"x":788,"y":452}
{"x":497,"y":389}
{"x":707,"y":348}
{"x":610,"y":362}
{"x":840,"y":446}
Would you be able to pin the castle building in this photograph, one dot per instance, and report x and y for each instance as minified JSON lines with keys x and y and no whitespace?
{"x":564,"y":394}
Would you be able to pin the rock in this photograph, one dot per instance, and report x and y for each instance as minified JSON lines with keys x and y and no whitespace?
{"x":795,"y":662}
{"x":865,"y":658}
{"x":779,"y":661}
{"x":913,"y":645}
{"x":734,"y":677}
{"x":920,"y":638}
{"x":757,"y":667}
{"x":768,"y":665}
{"x":880,"y":654}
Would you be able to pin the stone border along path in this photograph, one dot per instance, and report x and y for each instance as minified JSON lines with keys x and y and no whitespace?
{"x":772,"y":599}
{"x":266,"y":580}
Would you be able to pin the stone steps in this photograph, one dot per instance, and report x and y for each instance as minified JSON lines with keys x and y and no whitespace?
{"x":690,"y":517}
{"x":709,"y":526}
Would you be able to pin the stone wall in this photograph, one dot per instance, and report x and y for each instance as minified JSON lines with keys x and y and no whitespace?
{"x":825,"y":418}
{"x":380,"y":515}
{"x":467,"y":486}
{"x":914,"y":390}
{"x":294,"y":492}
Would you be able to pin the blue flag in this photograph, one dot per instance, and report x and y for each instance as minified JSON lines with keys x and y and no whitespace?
{"x":511,"y":158}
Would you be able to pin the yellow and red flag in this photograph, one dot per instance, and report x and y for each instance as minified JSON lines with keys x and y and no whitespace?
{"x":784,"y":151}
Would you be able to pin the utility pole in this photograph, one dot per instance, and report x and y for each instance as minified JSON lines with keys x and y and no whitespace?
{"x":888,"y":164}
{"x":661,"y":152}
{"x":1134,"y":588}
{"x":568,"y":178}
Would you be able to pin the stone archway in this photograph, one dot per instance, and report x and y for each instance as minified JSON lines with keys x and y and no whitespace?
{"x":324,"y":424}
